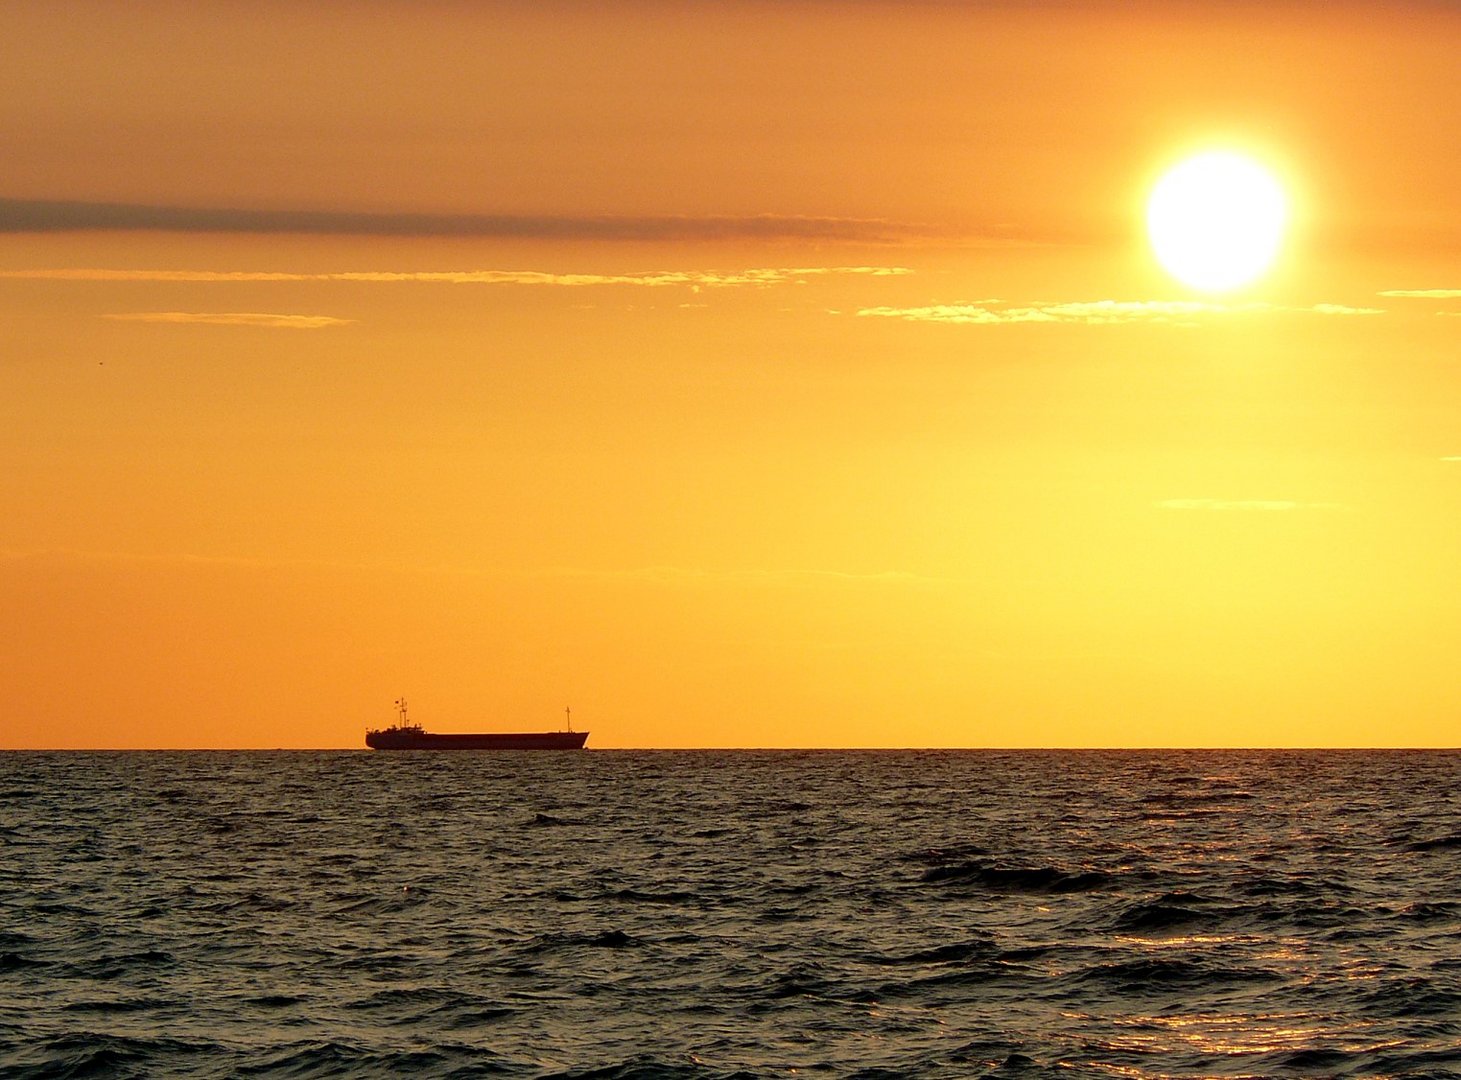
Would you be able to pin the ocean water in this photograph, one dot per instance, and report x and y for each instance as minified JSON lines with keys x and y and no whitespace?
{"x":730,"y":914}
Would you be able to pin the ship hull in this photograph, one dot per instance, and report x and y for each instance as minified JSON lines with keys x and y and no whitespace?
{"x":426,"y":740}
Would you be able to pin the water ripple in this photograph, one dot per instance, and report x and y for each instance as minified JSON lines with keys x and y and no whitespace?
{"x":726,"y":915}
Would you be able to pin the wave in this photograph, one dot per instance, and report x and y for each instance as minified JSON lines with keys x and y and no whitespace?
{"x":1016,"y":878}
{"x":953,"y":953}
{"x":1189,"y":798}
{"x":936,"y":987}
{"x":1426,"y":911}
{"x":275,"y":1001}
{"x":1295,"y":886}
{"x":1333,"y":1062}
{"x":393,"y":996}
{"x":940,"y":856}
{"x":1411,"y":997}
{"x":670,"y":896}
{"x":1150,"y":975}
{"x":1161,"y":916}
{"x":10,"y":961}
{"x":604,"y":939}
{"x":122,"y":1005}
{"x":115,"y":1057}
{"x":802,"y":981}
{"x":110,"y":966}
{"x":649,"y":1068}
{"x":332,"y":1058}
{"x":471,"y":1017}
{"x":400,"y":899}
{"x":251,"y":901}
{"x":1436,"y":843}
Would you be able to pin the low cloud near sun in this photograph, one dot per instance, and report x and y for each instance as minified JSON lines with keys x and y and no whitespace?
{"x":232,"y":318}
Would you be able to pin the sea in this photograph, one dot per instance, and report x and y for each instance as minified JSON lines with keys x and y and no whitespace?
{"x":715,"y":914}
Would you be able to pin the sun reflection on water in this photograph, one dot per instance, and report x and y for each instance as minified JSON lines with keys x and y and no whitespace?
{"x":1231,"y":1036}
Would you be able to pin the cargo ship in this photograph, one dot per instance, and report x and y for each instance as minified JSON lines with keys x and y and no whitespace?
{"x":404,"y":735}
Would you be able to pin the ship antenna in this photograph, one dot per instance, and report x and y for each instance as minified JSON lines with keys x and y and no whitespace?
{"x":401,"y":712}
{"x":569,"y":714}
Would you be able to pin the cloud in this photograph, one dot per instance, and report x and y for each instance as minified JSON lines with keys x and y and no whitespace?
{"x":1428,"y":294}
{"x":1338,"y":309}
{"x":232,"y":318}
{"x":38,"y":215}
{"x":1096,"y":312}
{"x":695,"y":279}
{"x":1246,"y":505}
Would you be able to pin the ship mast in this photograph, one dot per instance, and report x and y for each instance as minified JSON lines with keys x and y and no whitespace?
{"x":568,"y":714}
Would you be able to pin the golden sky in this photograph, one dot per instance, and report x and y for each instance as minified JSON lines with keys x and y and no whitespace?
{"x":739,"y":374}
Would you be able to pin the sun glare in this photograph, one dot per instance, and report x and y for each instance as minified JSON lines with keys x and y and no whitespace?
{"x":1216,"y":220}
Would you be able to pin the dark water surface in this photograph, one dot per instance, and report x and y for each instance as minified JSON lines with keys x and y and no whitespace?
{"x":719,"y":914}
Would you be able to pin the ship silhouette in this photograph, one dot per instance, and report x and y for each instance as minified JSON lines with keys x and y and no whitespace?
{"x":404,"y":735}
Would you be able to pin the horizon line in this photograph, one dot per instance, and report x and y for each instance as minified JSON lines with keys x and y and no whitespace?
{"x":734,"y":749}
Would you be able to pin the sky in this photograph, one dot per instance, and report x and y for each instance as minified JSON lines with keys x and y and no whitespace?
{"x":739,"y":374}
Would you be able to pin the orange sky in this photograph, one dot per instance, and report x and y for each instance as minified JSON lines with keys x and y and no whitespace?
{"x":740,"y":374}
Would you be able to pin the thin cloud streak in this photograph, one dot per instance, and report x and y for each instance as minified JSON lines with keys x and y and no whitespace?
{"x":1336,"y":309}
{"x":39,"y":215}
{"x":1425,"y":294}
{"x":695,"y":279}
{"x":1097,"y":312}
{"x":232,"y":318}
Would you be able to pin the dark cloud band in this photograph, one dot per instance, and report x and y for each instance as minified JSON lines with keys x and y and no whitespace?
{"x":38,"y":215}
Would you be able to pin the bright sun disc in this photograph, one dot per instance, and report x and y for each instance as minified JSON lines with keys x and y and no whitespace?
{"x":1216,"y":220}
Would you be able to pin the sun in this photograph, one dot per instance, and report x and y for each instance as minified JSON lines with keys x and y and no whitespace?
{"x":1216,"y":220}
